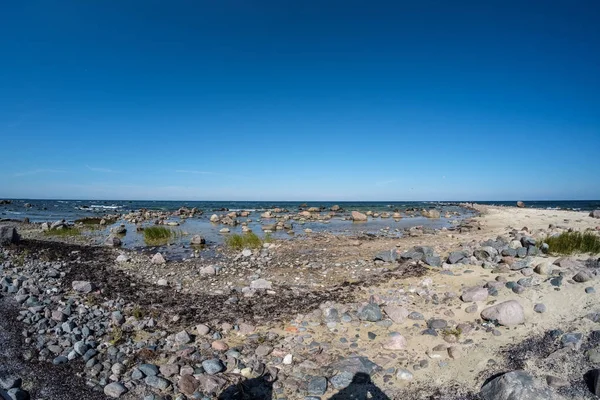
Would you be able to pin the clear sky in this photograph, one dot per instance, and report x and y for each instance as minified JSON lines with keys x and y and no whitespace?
{"x":300,"y":100}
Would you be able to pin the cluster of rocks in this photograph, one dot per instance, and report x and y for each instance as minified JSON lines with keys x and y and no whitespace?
{"x":159,"y":217}
{"x":125,"y":350}
{"x":5,"y":202}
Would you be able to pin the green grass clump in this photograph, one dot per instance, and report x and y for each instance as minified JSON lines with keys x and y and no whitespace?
{"x":158,"y":235}
{"x":573,"y":242}
{"x":63,"y":232}
{"x":246,"y":241}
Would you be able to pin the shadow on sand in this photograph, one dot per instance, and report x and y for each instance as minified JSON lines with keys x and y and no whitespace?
{"x":361,"y":388}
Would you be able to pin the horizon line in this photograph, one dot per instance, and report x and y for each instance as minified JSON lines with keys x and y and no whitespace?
{"x":297,"y":201}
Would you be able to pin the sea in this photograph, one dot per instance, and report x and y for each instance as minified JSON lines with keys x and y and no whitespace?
{"x":72,"y":210}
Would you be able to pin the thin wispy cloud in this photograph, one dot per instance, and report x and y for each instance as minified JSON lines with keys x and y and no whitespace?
{"x":385,"y":183}
{"x":196,"y":172}
{"x":105,"y":170}
{"x":188,"y":171}
{"x":40,"y":171}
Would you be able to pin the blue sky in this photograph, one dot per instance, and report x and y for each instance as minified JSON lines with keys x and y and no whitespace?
{"x":310,"y":100}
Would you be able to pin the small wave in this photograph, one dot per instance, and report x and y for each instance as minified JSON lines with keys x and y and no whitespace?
{"x":105,"y":207}
{"x":14,"y":212}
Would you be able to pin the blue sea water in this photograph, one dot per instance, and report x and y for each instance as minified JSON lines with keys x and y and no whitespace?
{"x":72,"y":210}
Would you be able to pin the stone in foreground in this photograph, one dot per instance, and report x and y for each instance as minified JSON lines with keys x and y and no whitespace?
{"x":517,"y":385}
{"x":8,"y":235}
{"x":115,"y":390}
{"x":507,"y":313}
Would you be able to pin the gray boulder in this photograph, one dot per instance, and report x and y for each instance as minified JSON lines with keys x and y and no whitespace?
{"x":506,"y":313}
{"x":433,"y":261}
{"x":595,"y":214}
{"x":456,"y":256}
{"x":371,"y":312}
{"x":197,"y":240}
{"x":485,"y":253}
{"x":387,"y":256}
{"x":113,"y":241}
{"x":517,"y":385}
{"x":115,"y":390}
{"x":8,"y":235}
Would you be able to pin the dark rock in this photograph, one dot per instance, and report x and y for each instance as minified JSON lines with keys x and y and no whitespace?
{"x":517,"y":385}
{"x":571,"y":338}
{"x":157,"y":382}
{"x":115,"y":390}
{"x":582,"y":277}
{"x":433,"y":261}
{"x":8,"y":235}
{"x":508,"y":252}
{"x":371,"y":312}
{"x":148,"y":369}
{"x":557,"y":281}
{"x":17,"y":394}
{"x":188,"y":384}
{"x":412,"y":255}
{"x":592,"y":379}
{"x":455,"y":257}
{"x":317,"y":386}
{"x":212,"y":366}
{"x":522,"y":252}
{"x":341,"y":380}
{"x":387,"y":256}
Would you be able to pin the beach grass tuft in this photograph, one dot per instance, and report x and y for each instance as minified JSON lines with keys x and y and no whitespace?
{"x":248,"y":240}
{"x":63,"y":232}
{"x":573,"y":242}
{"x":154,"y":235}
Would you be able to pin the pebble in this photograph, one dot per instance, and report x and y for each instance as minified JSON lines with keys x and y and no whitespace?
{"x":404,"y":374}
{"x":317,"y":386}
{"x":539,"y":308}
{"x":115,"y":390}
{"x":157,"y":382}
{"x":212,"y":366}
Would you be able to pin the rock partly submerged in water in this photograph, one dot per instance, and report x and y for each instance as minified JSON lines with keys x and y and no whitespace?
{"x":358,"y":216}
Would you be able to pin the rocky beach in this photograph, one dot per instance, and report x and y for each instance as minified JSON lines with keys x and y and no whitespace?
{"x":469,"y":304}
